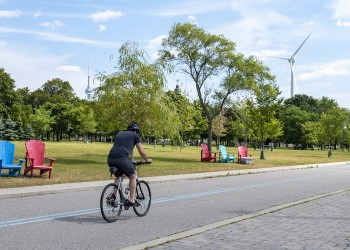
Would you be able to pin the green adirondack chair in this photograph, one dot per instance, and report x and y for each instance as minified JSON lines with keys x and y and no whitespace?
{"x":224,"y":156}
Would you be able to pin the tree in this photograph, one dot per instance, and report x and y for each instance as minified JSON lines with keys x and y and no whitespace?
{"x":293,"y":119}
{"x":219,"y":123}
{"x":312,"y":131}
{"x":304,"y":102}
{"x":41,"y":121}
{"x":135,"y":92}
{"x":82,"y":120}
{"x":274,"y":130}
{"x":8,"y":130}
{"x":332,"y":123}
{"x":58,"y":91}
{"x":212,"y":63}
{"x":185,"y":112}
{"x":8,"y":95}
{"x":262,"y":110}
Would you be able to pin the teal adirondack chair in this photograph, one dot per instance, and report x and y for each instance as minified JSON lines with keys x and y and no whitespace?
{"x":224,"y":156}
{"x":7,"y":152}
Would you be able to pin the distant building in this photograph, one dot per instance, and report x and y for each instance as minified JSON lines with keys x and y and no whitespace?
{"x":177,"y":88}
{"x":88,"y":90}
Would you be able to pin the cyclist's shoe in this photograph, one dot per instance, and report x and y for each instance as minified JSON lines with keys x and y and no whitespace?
{"x":111,"y":200}
{"x":133,"y":204}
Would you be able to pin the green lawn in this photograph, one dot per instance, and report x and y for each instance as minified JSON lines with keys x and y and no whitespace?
{"x":79,"y":162}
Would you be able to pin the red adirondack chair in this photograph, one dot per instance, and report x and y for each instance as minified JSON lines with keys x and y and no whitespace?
{"x":35,"y":159}
{"x":243,"y":155}
{"x":206,"y":155}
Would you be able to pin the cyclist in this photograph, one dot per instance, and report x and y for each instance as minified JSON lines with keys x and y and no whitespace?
{"x":121,"y":155}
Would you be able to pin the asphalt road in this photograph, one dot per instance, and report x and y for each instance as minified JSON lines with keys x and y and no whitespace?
{"x":72,"y":220}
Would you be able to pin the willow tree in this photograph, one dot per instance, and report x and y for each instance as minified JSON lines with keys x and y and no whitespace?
{"x":135,"y":92}
{"x":213,"y":64}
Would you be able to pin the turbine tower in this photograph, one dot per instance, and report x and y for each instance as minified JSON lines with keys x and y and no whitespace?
{"x":291,"y":61}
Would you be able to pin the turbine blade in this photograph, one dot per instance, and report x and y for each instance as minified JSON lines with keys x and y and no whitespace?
{"x":279,"y":57}
{"x":300,"y":46}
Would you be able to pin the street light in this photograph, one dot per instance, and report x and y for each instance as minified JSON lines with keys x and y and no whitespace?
{"x":344,"y":128}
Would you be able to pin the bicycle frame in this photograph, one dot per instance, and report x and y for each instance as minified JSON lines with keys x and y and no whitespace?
{"x":111,"y":207}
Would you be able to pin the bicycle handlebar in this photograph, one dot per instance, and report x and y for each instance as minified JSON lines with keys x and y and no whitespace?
{"x":139,"y":163}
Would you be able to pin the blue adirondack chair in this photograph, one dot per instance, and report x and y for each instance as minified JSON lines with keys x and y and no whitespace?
{"x":224,"y":156}
{"x":7,"y":152}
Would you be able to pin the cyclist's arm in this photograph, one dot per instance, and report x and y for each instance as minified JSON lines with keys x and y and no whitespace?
{"x":142,"y":152}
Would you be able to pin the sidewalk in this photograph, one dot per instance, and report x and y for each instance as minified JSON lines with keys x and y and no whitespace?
{"x":320,"y":222}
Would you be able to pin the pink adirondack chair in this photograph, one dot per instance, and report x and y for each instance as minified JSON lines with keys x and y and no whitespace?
{"x":35,"y":159}
{"x":243,"y":157}
{"x":206,"y":155}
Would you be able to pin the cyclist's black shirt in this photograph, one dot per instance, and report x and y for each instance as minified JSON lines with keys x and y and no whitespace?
{"x":124,"y":144}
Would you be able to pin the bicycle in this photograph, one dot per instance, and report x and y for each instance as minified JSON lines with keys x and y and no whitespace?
{"x":111,"y":208}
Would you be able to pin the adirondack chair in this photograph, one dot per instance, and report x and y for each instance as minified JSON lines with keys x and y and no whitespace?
{"x":206,"y":155}
{"x":243,"y":157}
{"x":7,"y":152}
{"x":224,"y":156}
{"x":35,"y":159}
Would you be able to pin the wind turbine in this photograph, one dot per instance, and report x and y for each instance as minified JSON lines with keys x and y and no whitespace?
{"x":291,"y":61}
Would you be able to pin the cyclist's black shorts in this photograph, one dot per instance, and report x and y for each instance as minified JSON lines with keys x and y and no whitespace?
{"x":124,"y":165}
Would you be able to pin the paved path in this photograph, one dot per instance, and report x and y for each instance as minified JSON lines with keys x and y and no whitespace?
{"x":320,"y":222}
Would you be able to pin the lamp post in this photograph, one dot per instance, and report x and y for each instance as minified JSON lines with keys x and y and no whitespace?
{"x":343,"y":141}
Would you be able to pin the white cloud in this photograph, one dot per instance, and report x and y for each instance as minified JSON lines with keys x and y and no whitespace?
{"x":102,"y":28}
{"x":333,"y":69}
{"x":106,"y":15}
{"x":341,"y":9}
{"x":192,"y":19}
{"x":191,"y":8}
{"x":68,"y":68}
{"x":154,"y":45}
{"x":60,"y":38}
{"x":6,"y":13}
{"x":341,"y":23}
{"x":38,"y":13}
{"x":52,"y":25}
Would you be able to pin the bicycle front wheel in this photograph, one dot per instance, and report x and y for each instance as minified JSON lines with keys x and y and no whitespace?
{"x":111,"y":207}
{"x":143,"y":197}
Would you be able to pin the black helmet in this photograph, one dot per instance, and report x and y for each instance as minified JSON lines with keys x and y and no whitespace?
{"x":133,"y":127}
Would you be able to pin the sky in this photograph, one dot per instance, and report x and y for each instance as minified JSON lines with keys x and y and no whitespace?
{"x":45,"y":39}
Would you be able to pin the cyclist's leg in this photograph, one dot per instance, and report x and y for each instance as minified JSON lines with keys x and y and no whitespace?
{"x":126,"y":167}
{"x":132,"y":187}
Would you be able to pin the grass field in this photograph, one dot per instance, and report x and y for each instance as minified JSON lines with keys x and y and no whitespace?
{"x":80,"y":162}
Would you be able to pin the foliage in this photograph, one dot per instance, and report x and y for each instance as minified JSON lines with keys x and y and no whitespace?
{"x":135,"y":92}
{"x":8,"y":95}
{"x":262,"y":111}
{"x":212,"y":63}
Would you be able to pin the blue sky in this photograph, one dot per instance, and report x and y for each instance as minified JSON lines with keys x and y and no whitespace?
{"x":44,"y":39}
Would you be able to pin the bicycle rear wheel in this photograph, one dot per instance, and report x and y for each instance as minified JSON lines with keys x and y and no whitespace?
{"x":143,"y":197}
{"x":110,"y":207}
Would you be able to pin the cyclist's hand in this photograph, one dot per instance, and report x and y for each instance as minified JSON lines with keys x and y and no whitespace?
{"x":149,"y":161}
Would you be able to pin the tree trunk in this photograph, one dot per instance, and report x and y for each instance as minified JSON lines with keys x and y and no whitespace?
{"x":210,"y":133}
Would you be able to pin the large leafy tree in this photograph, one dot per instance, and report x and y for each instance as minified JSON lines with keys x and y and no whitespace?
{"x":262,"y":110}
{"x":135,"y":92}
{"x":41,"y":121}
{"x":293,"y":119}
{"x":332,"y":123}
{"x":8,"y":95}
{"x":185,"y":111}
{"x":58,"y":91}
{"x":212,"y":63}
